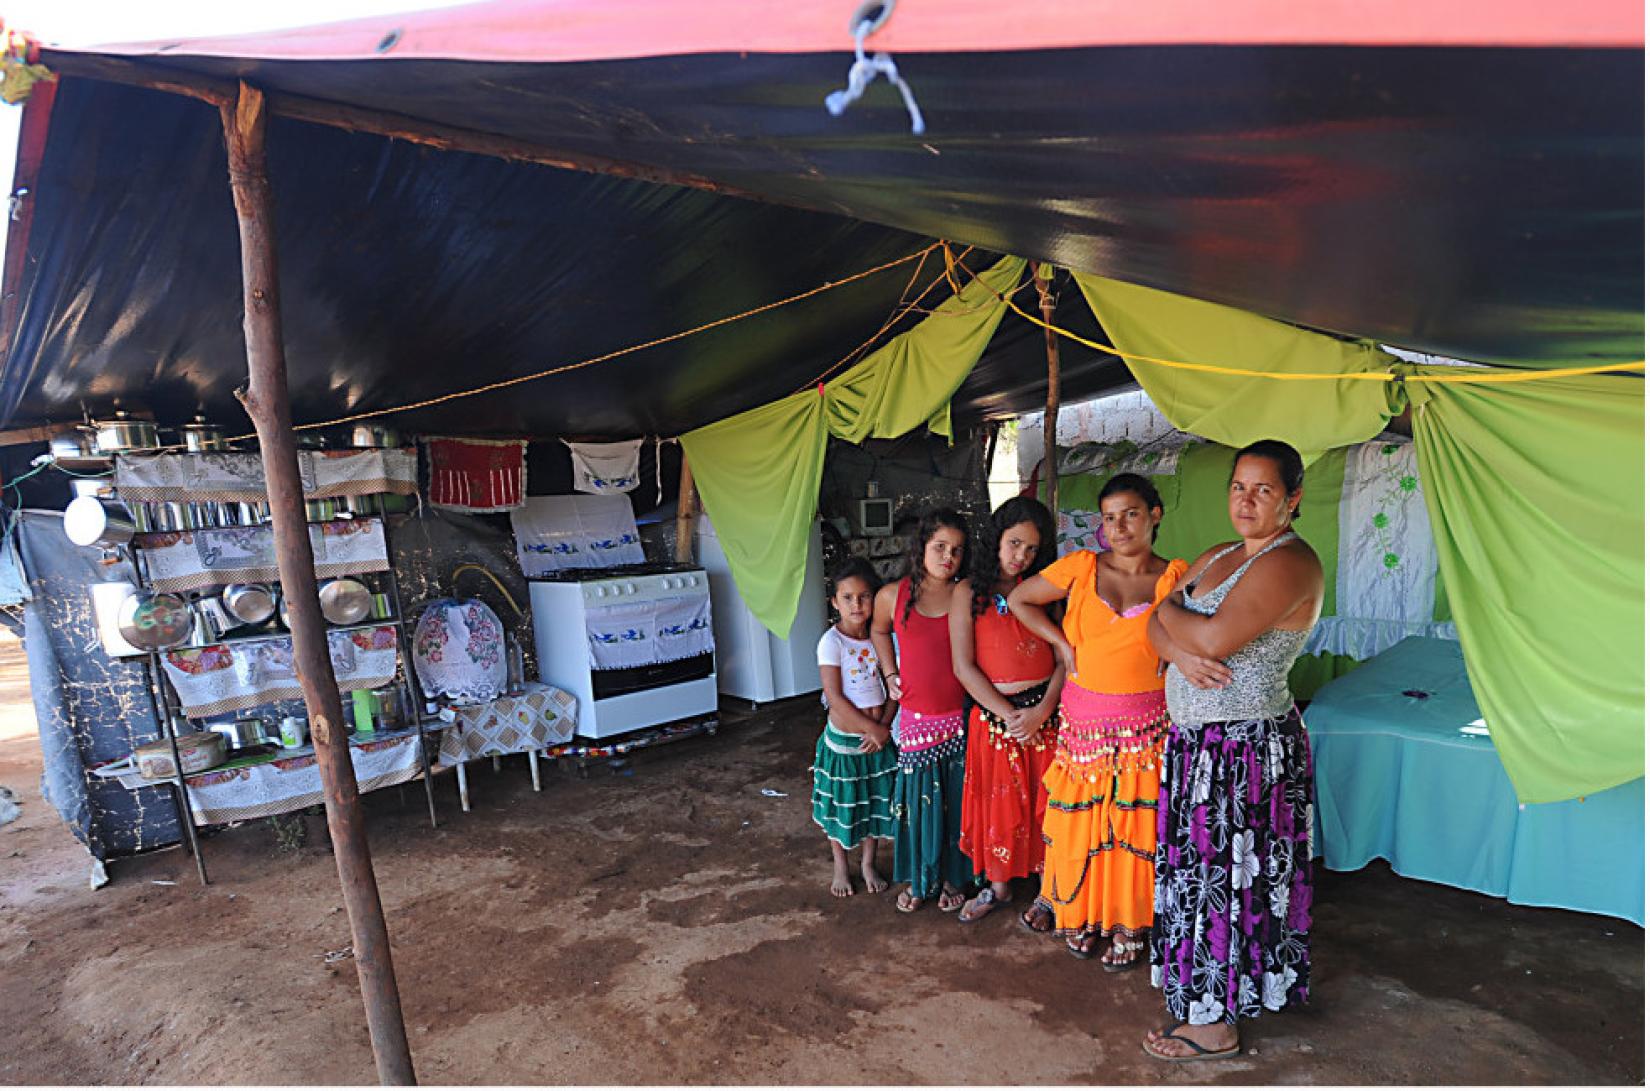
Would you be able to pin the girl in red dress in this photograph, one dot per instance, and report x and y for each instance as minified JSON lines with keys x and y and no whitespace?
{"x":1014,"y":680}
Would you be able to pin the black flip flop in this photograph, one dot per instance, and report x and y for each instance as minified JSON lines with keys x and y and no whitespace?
{"x":1198,"y":1052}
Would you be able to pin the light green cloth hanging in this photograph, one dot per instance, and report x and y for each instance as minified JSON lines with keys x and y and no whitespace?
{"x":758,"y":473}
{"x":1536,"y":493}
{"x":1237,"y":410}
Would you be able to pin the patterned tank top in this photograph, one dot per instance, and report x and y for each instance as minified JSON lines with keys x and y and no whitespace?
{"x":1259,"y":688}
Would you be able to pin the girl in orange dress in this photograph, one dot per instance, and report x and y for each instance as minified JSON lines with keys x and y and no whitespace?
{"x":1014,"y":680}
{"x":1101,"y":824}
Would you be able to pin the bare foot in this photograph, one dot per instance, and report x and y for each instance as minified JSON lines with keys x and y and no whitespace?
{"x":840,"y":886}
{"x":874,"y":882}
{"x":1173,"y":1043}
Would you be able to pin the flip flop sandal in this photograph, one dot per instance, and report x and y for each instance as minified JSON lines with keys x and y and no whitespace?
{"x":948,"y":906}
{"x":1198,"y":1052}
{"x":985,"y":901}
{"x":1043,"y":915}
{"x":907,"y":902}
{"x":1085,"y":947}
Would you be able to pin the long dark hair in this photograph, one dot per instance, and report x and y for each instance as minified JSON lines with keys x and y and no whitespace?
{"x":850,"y":568}
{"x":1121,"y":483}
{"x":930,"y":525}
{"x":1288,"y":461}
{"x":986,"y":568}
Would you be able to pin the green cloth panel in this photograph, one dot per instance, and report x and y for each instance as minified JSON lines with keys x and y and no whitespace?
{"x":1536,"y":493}
{"x":1194,"y":505}
{"x":758,"y":473}
{"x":1235,"y":409}
{"x":1409,"y":778}
{"x":1312,"y":672}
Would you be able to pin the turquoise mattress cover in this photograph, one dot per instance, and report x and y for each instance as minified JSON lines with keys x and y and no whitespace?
{"x":1406,"y":771}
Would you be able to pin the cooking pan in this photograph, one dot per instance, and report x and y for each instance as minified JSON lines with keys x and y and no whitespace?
{"x":249,"y":603}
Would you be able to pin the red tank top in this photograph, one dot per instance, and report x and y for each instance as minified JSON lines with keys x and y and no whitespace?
{"x":925,"y":659}
{"x":1007,"y":651}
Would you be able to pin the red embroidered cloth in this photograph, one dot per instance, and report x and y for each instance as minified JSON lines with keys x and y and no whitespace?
{"x":477,"y":475}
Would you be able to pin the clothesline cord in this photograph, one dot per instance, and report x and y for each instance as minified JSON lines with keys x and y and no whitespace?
{"x":606,"y":356}
{"x":900,"y":311}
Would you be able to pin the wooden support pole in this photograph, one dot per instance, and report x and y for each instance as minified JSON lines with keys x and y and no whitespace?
{"x":268,"y":403}
{"x":1051,"y":407}
{"x":687,"y":513}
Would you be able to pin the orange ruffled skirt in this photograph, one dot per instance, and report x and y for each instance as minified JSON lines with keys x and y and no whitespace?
{"x":1100,"y":827}
{"x":1004,"y":797}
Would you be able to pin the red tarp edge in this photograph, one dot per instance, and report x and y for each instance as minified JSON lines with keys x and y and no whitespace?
{"x":551,"y":31}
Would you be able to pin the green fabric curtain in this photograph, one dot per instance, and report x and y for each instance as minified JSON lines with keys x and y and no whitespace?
{"x":1238,"y":410}
{"x":758,"y":473}
{"x":1536,"y":493}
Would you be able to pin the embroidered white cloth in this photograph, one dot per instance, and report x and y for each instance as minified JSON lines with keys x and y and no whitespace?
{"x":605,"y":468}
{"x":543,"y":716}
{"x":230,"y":476}
{"x":458,"y":651}
{"x":637,"y":634}
{"x":290,"y":784}
{"x":194,"y":560}
{"x":1387,"y":569}
{"x":243,"y":674}
{"x":554,"y":533}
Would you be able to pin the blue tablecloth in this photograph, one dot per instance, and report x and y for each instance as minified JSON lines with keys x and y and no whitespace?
{"x":1416,"y":781}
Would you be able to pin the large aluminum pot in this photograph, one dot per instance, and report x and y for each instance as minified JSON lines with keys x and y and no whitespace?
{"x":155,"y":622}
{"x":96,"y":521}
{"x":198,"y":435}
{"x":73,"y":444}
{"x":249,"y":603}
{"x":373,"y":434}
{"x":124,"y":433}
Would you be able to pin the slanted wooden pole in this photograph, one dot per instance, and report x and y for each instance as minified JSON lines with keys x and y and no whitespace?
{"x":1051,"y":407}
{"x":687,"y":513}
{"x":268,"y":403}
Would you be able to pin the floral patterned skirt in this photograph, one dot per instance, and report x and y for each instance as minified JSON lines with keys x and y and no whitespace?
{"x":1003,"y":795}
{"x":1233,"y":889}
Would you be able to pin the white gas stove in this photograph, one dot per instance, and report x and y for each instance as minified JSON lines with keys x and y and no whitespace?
{"x":634,"y":644}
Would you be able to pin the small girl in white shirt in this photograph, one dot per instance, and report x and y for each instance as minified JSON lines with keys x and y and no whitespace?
{"x":854,"y":764}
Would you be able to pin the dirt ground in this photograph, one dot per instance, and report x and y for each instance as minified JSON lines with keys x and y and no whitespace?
{"x":671,"y":924}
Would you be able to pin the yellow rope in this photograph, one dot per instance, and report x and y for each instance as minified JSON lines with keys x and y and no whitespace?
{"x":1466,"y":376}
{"x":606,"y":356}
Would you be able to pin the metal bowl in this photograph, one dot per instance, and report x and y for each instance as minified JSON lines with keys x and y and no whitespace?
{"x":249,"y":603}
{"x":345,"y":601}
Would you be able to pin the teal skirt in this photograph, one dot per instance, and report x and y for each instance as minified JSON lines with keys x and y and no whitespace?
{"x":853,"y":792}
{"x":928,"y":822}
